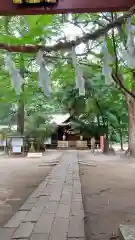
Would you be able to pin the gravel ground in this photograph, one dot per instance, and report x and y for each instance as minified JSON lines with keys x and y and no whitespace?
{"x":18,"y":179}
{"x":108,"y":188}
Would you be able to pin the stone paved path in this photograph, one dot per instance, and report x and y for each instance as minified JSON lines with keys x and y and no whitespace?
{"x":54,"y":211}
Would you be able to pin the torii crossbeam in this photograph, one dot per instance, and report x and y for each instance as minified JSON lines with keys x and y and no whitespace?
{"x":7,"y":7}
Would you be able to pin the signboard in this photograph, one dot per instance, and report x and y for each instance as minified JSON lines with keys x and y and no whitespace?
{"x":33,"y":2}
{"x":16,"y":149}
{"x":32,"y":7}
{"x":2,"y":143}
{"x":17,"y":142}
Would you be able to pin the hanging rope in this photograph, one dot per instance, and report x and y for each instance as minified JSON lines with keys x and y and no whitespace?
{"x":16,"y":79}
{"x":107,"y":62}
{"x":79,"y":80}
{"x":43,"y":76}
{"x":129,"y":53}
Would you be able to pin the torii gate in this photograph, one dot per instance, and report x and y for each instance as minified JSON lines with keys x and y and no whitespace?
{"x":32,"y":7}
{"x":18,"y":7}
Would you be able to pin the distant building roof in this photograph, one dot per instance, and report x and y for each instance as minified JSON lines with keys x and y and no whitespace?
{"x":13,"y":127}
{"x":59,"y":119}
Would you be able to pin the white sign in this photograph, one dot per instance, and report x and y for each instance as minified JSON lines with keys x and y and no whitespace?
{"x":2,"y":143}
{"x":16,"y":149}
{"x":17,"y":142}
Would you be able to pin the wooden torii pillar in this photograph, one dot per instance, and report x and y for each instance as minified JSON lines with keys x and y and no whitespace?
{"x":8,"y":7}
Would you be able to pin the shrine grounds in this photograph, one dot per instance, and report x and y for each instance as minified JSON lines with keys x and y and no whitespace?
{"x":19,"y":177}
{"x":107,"y":182}
{"x":108,"y":188}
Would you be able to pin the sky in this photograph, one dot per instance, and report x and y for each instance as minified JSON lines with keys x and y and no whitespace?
{"x":72,"y":32}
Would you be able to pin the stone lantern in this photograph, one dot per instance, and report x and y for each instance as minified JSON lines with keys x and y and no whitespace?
{"x":64,"y":137}
{"x":81,"y":138}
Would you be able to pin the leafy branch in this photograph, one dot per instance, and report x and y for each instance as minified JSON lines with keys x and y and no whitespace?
{"x":117,"y":77}
{"x":68,"y":44}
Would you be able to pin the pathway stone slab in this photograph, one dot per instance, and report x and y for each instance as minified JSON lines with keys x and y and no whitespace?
{"x":44,"y":223}
{"x":34,"y":214}
{"x":16,"y":219}
{"x":63,"y":211}
{"x":37,"y":236}
{"x":42,"y":200}
{"x":59,"y":230}
{"x":51,"y":207}
{"x":43,"y":184}
{"x":32,"y":199}
{"x":27,"y":206}
{"x":6,"y":233}
{"x":23,"y":231}
{"x":76,"y":208}
{"x":77,"y":199}
{"x":76,"y":227}
{"x":55,"y":196}
{"x":75,"y":239}
{"x":47,"y":191}
{"x":66,"y":198}
{"x":126,"y":232}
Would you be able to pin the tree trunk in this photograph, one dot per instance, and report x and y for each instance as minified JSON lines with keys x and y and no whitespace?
{"x":121,"y":140}
{"x":20,"y":117}
{"x":98,"y":121}
{"x":106,"y":145}
{"x":131,"y":125}
{"x":120,"y":134}
{"x":20,"y":110}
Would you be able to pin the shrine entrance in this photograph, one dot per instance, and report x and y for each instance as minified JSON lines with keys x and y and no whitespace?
{"x":65,"y":137}
{"x":67,"y":172}
{"x":34,"y":7}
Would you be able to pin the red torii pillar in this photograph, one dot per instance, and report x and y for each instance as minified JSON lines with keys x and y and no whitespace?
{"x":102,"y":143}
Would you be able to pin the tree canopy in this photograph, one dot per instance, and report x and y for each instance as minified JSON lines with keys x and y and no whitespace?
{"x":104,"y":107}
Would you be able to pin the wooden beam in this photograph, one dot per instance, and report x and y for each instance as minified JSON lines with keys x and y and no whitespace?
{"x":7,"y":7}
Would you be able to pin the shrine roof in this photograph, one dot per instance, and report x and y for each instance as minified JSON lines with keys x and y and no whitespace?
{"x":59,"y":119}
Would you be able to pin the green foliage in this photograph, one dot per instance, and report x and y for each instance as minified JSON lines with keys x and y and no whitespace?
{"x":37,"y":126}
{"x":100,"y":111}
{"x":103,"y":109}
{"x":110,"y":45}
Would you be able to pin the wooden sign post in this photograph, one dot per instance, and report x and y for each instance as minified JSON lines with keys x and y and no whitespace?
{"x":32,"y":7}
{"x":17,"y":144}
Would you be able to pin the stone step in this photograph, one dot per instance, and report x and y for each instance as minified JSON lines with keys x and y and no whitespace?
{"x":35,"y":155}
{"x":127,"y":232}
